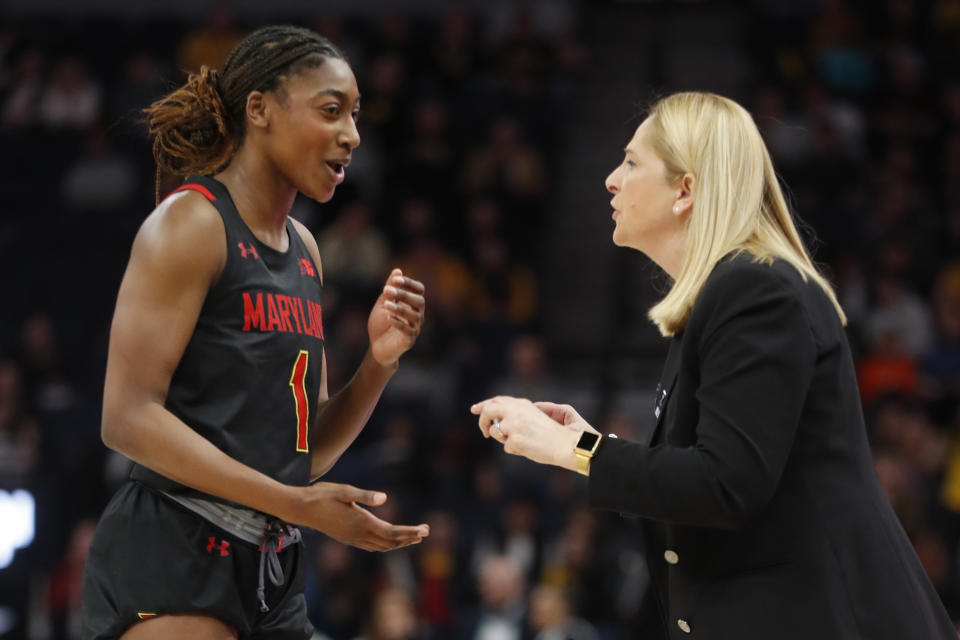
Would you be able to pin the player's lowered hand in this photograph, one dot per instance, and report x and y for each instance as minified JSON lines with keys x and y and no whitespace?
{"x":334,"y":509}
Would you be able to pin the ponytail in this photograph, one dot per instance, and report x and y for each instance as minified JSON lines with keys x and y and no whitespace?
{"x":191,"y":129}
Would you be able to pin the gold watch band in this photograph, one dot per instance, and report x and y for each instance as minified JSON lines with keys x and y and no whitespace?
{"x":584,"y":455}
{"x":583,"y":463}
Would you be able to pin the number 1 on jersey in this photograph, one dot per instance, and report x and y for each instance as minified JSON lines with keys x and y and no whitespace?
{"x":298,"y":384}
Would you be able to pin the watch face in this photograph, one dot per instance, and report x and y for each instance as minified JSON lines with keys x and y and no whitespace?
{"x":587,"y":441}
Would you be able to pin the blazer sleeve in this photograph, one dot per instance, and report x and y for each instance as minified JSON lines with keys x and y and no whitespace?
{"x":756,"y":355}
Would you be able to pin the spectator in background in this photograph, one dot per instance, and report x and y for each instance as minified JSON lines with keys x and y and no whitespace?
{"x":786,"y":130}
{"x":392,"y":618}
{"x":506,"y":292}
{"x":141,"y":84}
{"x":42,"y":364}
{"x":427,"y":160}
{"x":72,"y":99}
{"x":102,"y":180}
{"x":446,"y":277}
{"x":337,"y":598}
{"x":355,"y":253}
{"x":65,"y":583}
{"x":898,"y":318}
{"x":383,"y":97}
{"x":26,"y":88}
{"x":19,"y":435}
{"x":569,"y":553}
{"x":456,"y":49}
{"x":211,"y":43}
{"x":8,"y":40}
{"x":502,"y":607}
{"x":528,"y":372}
{"x":506,"y":165}
{"x":438,"y":572}
{"x":69,"y":427}
{"x":940,"y":365}
{"x":508,"y":169}
{"x":552,"y":619}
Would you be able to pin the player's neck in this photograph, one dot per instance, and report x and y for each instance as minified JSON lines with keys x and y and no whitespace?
{"x":262,"y":195}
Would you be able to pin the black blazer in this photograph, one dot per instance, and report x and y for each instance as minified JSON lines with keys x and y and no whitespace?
{"x":761,"y":509}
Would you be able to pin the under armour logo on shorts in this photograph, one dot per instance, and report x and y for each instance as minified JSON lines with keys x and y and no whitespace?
{"x":222,"y":547}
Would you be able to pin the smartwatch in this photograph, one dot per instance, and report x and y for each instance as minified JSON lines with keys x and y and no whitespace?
{"x":584,"y":450}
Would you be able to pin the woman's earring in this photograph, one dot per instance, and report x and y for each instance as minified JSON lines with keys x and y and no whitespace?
{"x":676,"y":208}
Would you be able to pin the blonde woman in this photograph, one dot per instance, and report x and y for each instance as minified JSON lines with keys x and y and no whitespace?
{"x":762,"y":513}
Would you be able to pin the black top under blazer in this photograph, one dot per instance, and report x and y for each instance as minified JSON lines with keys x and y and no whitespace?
{"x":761,"y":509}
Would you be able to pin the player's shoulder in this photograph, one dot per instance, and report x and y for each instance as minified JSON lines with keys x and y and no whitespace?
{"x":184,"y":228}
{"x":184,"y":213}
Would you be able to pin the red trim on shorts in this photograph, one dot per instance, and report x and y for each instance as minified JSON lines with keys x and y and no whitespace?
{"x":194,"y":187}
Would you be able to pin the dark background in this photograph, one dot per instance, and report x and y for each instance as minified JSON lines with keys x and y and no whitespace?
{"x":488,"y":128}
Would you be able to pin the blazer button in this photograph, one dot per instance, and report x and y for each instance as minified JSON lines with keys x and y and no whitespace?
{"x":683,"y":626}
{"x":671,"y":556}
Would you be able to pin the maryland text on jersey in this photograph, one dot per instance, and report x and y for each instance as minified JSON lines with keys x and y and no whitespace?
{"x":278,"y":312}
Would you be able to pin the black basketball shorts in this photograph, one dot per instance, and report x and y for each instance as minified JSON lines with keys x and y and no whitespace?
{"x":151,"y":556}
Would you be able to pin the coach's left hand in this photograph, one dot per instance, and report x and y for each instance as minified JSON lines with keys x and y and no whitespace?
{"x":396,"y":318}
{"x":526,"y":430}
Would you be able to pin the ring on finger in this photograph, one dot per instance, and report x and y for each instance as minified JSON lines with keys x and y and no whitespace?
{"x":495,"y":424}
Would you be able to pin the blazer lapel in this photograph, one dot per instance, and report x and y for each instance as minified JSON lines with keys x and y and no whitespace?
{"x":668,"y":379}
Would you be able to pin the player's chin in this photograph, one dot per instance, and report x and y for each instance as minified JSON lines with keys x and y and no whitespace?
{"x":326,"y":196}
{"x":320,"y":191}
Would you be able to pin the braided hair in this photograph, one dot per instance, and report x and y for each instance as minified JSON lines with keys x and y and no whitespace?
{"x":198,"y":127}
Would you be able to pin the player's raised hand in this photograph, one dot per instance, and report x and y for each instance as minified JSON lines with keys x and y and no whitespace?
{"x":396,"y":318}
{"x":334,"y":509}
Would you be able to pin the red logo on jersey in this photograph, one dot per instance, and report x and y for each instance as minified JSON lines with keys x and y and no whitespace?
{"x":306,"y":268}
{"x":244,"y":251}
{"x":222,"y":547}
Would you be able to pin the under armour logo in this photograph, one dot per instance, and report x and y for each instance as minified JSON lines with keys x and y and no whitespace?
{"x":306,"y":268}
{"x":222,"y":547}
{"x":244,"y":251}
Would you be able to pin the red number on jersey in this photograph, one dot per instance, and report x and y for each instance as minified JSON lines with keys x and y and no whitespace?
{"x":298,"y":384}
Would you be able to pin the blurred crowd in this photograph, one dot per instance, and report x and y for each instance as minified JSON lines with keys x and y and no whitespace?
{"x":463,"y":119}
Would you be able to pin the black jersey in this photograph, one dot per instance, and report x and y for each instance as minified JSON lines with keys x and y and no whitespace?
{"x":249,"y":377}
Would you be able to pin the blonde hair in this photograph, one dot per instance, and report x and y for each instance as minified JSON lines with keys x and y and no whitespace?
{"x":738,"y":207}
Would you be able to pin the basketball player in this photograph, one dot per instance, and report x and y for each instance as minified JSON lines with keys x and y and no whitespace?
{"x":216,"y":377}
